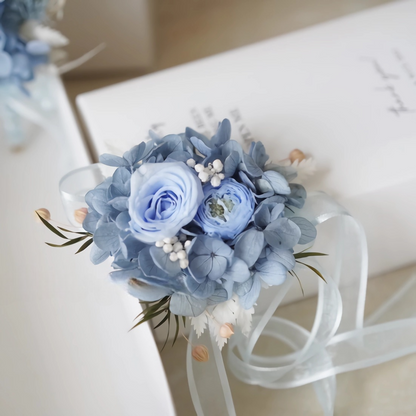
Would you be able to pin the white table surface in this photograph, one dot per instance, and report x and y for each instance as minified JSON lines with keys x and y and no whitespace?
{"x":65,"y":349}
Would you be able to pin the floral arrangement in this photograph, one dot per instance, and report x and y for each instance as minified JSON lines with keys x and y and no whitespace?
{"x":25,"y":42}
{"x":196,"y":227}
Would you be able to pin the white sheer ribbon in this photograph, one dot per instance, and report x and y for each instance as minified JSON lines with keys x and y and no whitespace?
{"x":338,"y":341}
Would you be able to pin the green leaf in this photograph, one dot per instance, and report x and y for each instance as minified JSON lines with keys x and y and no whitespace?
{"x":293,"y":273}
{"x":313,"y":269}
{"x":147,"y":317}
{"x":75,"y":232}
{"x":302,"y":255}
{"x":177,"y":330}
{"x":68,"y":243}
{"x":161,"y":322}
{"x":167,"y":336}
{"x":184,"y":321}
{"x":51,"y":227}
{"x":154,"y":307}
{"x":85,"y":245}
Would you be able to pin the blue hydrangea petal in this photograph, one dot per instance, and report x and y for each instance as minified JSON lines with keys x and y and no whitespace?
{"x":297,"y":195}
{"x":162,"y":261}
{"x":6,"y":64}
{"x":129,"y":280}
{"x":271,"y":272}
{"x":179,"y":156}
{"x":282,"y":233}
{"x":120,"y":203}
{"x":131,"y":247}
{"x":22,"y":67}
{"x":237,"y":272}
{"x":219,"y":248}
{"x":201,"y":290}
{"x":249,"y":166}
{"x":246,"y":181}
{"x":148,"y":266}
{"x":90,"y":222}
{"x":223,"y":133}
{"x":201,"y":146}
{"x":285,"y":257}
{"x":262,"y":217}
{"x":184,"y":305}
{"x":219,"y":265}
{"x":263,"y":185}
{"x":228,"y":286}
{"x":136,"y":154}
{"x":288,"y":172}
{"x":113,"y":160}
{"x":106,"y":237}
{"x":122,"y":221}
{"x":121,"y":181}
{"x":193,"y":133}
{"x":231,"y":164}
{"x":37,"y":47}
{"x":258,"y":153}
{"x":97,"y":255}
{"x":277,"y":212}
{"x":249,"y":246}
{"x":220,"y":295}
{"x":201,"y":266}
{"x":277,"y":182}
{"x":98,"y":200}
{"x":146,"y":292}
{"x":252,"y":292}
{"x":307,"y":229}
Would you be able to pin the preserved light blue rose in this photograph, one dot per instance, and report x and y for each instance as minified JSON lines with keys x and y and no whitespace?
{"x":225,"y":211}
{"x":164,"y":198}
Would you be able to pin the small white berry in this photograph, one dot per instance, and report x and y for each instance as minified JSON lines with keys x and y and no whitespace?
{"x":199,"y":167}
{"x":167,"y":240}
{"x":215,"y":181}
{"x":177,"y":247}
{"x":184,"y":263}
{"x":204,"y":176}
{"x":187,"y":243}
{"x":174,"y":239}
{"x":159,"y":243}
{"x":218,"y":166}
{"x":173,"y":256}
{"x":181,"y":255}
{"x":191,"y":163}
{"x":182,"y":237}
{"x":221,"y":176}
{"x":167,"y":248}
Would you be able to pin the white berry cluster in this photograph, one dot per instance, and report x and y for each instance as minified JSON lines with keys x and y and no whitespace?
{"x":209,"y":173}
{"x":176,"y":246}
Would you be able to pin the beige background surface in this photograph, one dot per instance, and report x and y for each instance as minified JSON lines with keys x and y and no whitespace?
{"x":186,"y":30}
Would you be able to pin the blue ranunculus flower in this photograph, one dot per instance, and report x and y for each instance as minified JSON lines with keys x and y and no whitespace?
{"x":225,"y":211}
{"x":164,"y":198}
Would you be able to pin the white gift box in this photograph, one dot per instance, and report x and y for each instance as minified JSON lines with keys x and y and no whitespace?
{"x":343,"y":92}
{"x":65,"y":348}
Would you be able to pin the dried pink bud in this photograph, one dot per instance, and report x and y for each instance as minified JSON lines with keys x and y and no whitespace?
{"x":80,"y":214}
{"x":226,"y":331}
{"x":200,"y":353}
{"x":44,"y":213}
{"x":296,"y":154}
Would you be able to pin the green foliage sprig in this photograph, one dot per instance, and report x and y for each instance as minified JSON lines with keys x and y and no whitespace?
{"x":153,"y":310}
{"x":70,"y":241}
